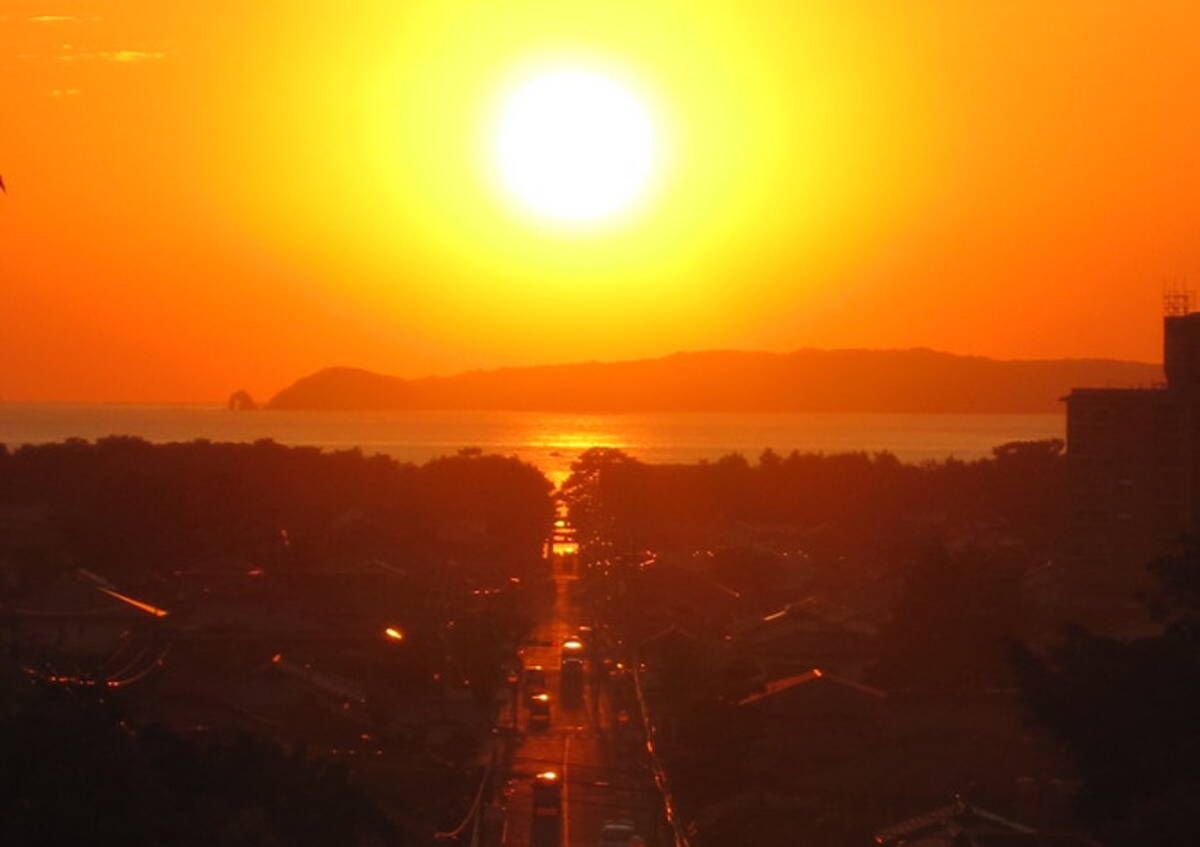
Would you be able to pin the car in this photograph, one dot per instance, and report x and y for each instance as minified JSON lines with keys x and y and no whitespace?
{"x":619,"y":833}
{"x":539,"y":711}
{"x":572,"y":673}
{"x":571,"y":680}
{"x":547,"y":792}
{"x":535,"y":679}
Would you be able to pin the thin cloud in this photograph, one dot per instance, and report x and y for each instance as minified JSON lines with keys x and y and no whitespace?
{"x":130,"y":56}
{"x":60,"y":19}
{"x":125,"y":56}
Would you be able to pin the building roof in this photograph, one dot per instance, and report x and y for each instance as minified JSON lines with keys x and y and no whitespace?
{"x":81,"y":595}
{"x":328,"y":683}
{"x":751,"y":802}
{"x":1157,"y":393}
{"x":958,"y":823}
{"x":671,"y":630}
{"x":816,"y":676}
{"x":809,"y":613}
{"x":963,"y":824}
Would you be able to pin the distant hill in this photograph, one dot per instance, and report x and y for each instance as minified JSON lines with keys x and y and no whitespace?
{"x":916,"y":380}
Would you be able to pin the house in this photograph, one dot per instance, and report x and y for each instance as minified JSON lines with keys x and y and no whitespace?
{"x":811,"y":632}
{"x":80,"y":625}
{"x":944,"y":741}
{"x":811,"y":731}
{"x":286,"y":700}
{"x":687,"y":596}
{"x":815,"y":694}
{"x":676,"y":648}
{"x":962,"y":824}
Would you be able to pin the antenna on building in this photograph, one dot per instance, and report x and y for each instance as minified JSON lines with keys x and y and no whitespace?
{"x":1177,"y":298}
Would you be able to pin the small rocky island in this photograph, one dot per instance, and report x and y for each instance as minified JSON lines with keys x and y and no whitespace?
{"x":241,"y":401}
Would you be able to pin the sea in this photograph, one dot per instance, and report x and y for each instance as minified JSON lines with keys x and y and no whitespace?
{"x":549,"y":441}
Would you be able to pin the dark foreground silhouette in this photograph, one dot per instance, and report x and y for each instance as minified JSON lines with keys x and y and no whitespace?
{"x":840,"y":649}
{"x":249,"y":644}
{"x":76,"y":769}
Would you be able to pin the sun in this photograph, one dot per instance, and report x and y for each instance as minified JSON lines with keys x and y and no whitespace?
{"x":574,"y":146}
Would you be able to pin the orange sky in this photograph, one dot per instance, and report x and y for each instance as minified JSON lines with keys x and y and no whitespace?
{"x":212,"y":195}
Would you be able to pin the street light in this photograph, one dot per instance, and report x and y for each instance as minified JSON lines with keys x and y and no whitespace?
{"x":394,"y":633}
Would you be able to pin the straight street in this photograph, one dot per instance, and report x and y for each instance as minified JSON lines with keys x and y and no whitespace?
{"x":598,"y":759}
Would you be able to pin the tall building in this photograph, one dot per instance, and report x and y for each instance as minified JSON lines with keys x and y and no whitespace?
{"x":1132,"y":467}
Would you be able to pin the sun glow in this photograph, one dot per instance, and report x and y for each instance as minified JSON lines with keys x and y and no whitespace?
{"x":417,"y":214}
{"x":574,"y":145}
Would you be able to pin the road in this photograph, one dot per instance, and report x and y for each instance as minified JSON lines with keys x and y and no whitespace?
{"x":600,"y":760}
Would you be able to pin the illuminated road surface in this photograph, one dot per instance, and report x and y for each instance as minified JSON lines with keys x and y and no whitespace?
{"x":605,"y":776}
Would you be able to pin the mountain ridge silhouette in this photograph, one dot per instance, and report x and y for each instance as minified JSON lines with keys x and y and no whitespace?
{"x":806,"y":380}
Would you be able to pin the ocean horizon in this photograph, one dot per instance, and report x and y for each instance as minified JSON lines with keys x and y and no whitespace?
{"x":549,"y":441}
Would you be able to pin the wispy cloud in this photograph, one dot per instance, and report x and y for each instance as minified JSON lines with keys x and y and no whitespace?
{"x":130,"y":56}
{"x":61,"y":19}
{"x":64,"y":92}
{"x":105,"y":55}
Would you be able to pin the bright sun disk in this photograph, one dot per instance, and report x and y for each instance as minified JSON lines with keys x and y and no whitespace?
{"x":574,"y":145}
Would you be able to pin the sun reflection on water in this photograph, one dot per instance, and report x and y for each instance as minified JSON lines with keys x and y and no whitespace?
{"x":557,"y":449}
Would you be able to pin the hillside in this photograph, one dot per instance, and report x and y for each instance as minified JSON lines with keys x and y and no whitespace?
{"x":916,"y":380}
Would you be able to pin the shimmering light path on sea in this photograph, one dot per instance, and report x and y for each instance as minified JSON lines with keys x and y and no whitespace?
{"x":550,"y":441}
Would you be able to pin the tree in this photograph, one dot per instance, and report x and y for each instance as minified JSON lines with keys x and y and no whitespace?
{"x":1125,"y":710}
{"x":952,"y":624}
{"x":73,"y":764}
{"x":606,"y":495}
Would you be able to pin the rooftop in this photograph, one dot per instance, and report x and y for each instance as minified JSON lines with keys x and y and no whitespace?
{"x":816,"y":676}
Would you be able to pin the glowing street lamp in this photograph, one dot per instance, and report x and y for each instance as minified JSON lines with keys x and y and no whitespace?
{"x":394,"y":633}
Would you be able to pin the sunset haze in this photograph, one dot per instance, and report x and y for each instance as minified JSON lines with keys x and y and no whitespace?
{"x":210,"y":196}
